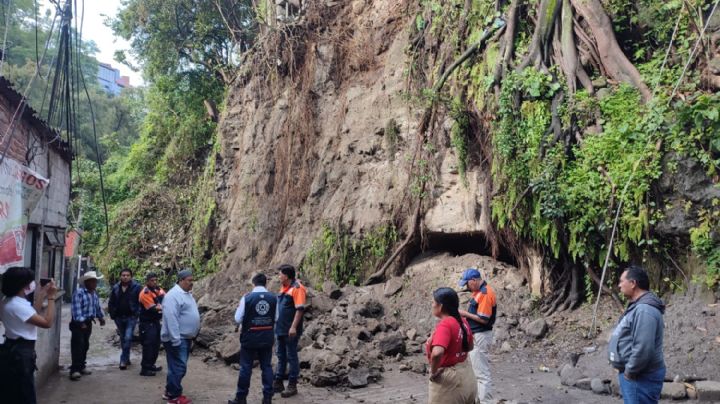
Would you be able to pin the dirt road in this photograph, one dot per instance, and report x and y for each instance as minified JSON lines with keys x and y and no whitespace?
{"x":215,"y":383}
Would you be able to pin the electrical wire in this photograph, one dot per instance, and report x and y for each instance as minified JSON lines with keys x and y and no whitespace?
{"x":692,"y":54}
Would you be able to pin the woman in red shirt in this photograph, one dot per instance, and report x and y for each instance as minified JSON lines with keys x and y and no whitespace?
{"x":452,"y":380}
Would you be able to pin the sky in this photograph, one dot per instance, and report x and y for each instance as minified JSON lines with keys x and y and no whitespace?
{"x":94,"y":28}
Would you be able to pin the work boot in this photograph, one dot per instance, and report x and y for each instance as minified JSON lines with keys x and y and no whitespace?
{"x":238,"y":400}
{"x":278,"y":386}
{"x":290,"y":391}
{"x":147,"y":372}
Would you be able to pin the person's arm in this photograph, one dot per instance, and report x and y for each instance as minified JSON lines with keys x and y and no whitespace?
{"x":240,"y":312}
{"x":48,"y":317}
{"x":112,"y":303}
{"x":299,"y":298}
{"x":171,"y":317}
{"x":435,"y":359}
{"x":473,"y":317}
{"x":644,"y":330}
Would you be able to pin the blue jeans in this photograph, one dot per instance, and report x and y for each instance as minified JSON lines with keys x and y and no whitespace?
{"x":125,"y":326}
{"x":247,"y":356}
{"x":287,"y":355}
{"x":177,"y":357}
{"x":645,"y":390}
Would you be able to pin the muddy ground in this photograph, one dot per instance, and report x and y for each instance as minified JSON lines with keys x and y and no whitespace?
{"x":517,"y":379}
{"x":525,"y":366}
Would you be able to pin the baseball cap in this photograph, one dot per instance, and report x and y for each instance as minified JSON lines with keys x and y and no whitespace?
{"x":470,"y":273}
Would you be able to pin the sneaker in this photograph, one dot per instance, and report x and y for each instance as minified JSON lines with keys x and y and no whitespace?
{"x":123,"y":365}
{"x":179,"y":400}
{"x":85,"y":372}
{"x":147,"y":372}
{"x":165,"y":396}
{"x":75,"y":376}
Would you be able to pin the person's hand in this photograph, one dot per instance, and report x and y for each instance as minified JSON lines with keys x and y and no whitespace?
{"x":102,"y":322}
{"x":628,"y":377}
{"x":158,"y":307}
{"x":435,"y":375}
{"x":50,"y":289}
{"x":292,"y":333}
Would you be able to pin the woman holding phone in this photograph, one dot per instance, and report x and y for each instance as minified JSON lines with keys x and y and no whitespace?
{"x":21,"y":320}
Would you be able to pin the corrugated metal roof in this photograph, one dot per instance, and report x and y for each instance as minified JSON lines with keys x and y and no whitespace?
{"x":47,"y":132}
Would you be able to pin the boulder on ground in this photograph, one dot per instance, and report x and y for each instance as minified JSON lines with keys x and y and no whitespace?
{"x":323,"y":379}
{"x":673,"y":391}
{"x":537,"y":328}
{"x":331,"y":289}
{"x":569,"y":375}
{"x":708,"y":391}
{"x":392,"y":345}
{"x":229,"y":349}
{"x":584,"y":384}
{"x":321,"y":304}
{"x":393,"y":286}
{"x":358,"y":377}
{"x":598,"y":386}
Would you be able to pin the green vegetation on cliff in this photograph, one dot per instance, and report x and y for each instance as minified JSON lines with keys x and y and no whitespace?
{"x":572,"y":123}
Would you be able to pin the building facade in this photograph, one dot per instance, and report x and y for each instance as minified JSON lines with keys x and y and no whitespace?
{"x":39,"y":148}
{"x":110,"y":79}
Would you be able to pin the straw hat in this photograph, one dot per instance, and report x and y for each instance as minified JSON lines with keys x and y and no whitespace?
{"x":90,"y":275}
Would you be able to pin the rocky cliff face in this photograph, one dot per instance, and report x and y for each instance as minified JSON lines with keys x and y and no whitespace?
{"x":331,"y":144}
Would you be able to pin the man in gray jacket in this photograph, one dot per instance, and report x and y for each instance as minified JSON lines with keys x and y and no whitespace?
{"x":181,"y":323}
{"x":636,"y":344}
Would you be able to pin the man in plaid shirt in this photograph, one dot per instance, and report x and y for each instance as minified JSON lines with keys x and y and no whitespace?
{"x":85,"y":309}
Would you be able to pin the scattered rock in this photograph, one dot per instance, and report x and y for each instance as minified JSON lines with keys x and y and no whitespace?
{"x":229,"y":348}
{"x":362,"y":334}
{"x":358,"y":377}
{"x":598,"y":386}
{"x":673,"y":391}
{"x":331,"y":289}
{"x":584,"y":384}
{"x":708,"y":391}
{"x":569,"y":375}
{"x":404,"y":367}
{"x":392,"y":345}
{"x":599,"y":82}
{"x":393,"y":286}
{"x":526,"y":306}
{"x":411,"y":334}
{"x":323,"y":379}
{"x":321,"y":304}
{"x":370,"y":309}
{"x":692,"y":393}
{"x":537,"y":328}
{"x":505,"y":347}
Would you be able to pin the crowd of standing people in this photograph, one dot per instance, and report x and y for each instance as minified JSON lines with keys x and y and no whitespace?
{"x":267,"y":320}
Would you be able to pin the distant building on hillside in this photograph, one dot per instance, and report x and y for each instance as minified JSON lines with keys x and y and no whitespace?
{"x":111,"y":80}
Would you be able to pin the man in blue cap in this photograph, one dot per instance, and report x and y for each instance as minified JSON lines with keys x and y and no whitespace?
{"x":481,"y":317}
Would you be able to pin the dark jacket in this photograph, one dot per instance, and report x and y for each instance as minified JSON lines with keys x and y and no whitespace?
{"x":258,"y":320}
{"x":133,"y":294}
{"x":636,"y":344}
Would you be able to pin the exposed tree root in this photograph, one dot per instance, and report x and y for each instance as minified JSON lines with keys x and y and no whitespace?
{"x":613,"y":59}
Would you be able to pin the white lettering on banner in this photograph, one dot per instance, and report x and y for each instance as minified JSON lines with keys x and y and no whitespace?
{"x":20,"y":191}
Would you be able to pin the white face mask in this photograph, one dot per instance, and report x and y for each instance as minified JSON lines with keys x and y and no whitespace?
{"x":30,"y":288}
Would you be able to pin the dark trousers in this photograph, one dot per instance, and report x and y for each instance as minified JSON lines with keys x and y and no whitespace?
{"x":287,"y":354}
{"x":17,"y":377}
{"x":150,"y":336}
{"x":79,"y":344}
{"x":247,"y":356}
{"x":125,"y":328}
{"x":177,"y":357}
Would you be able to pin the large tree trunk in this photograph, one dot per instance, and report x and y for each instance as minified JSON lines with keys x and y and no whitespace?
{"x":612,"y":57}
